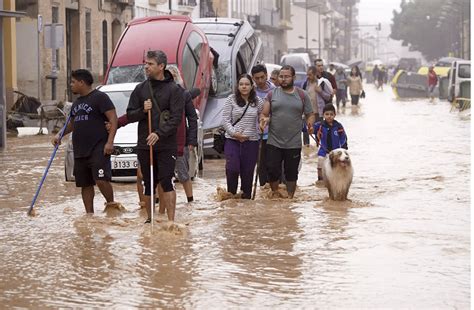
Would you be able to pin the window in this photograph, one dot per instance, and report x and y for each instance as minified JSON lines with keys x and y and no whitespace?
{"x":465,"y":71}
{"x":105,"y":57}
{"x":191,"y":57}
{"x":195,"y":43}
{"x":190,"y":65}
{"x":246,"y":53}
{"x":55,"y":20}
{"x":88,"y":41}
{"x":240,"y":66}
{"x":253,"y":41}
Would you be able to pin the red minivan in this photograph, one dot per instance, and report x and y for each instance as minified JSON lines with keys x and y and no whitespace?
{"x":184,"y":43}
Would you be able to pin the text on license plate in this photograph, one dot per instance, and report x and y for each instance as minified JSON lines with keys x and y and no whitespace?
{"x":125,"y":164}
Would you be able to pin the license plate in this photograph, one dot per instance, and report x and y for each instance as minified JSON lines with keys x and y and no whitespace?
{"x":124,"y":164}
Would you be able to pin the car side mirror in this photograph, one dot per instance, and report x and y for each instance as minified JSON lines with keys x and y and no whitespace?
{"x":195,"y":92}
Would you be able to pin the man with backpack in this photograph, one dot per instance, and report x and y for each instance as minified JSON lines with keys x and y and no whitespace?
{"x":324,"y":89}
{"x":285,"y":105}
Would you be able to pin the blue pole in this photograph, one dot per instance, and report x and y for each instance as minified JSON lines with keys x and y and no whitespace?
{"x":49,"y":165}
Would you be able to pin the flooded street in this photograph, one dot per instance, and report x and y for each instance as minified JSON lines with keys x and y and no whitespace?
{"x":403,"y":241}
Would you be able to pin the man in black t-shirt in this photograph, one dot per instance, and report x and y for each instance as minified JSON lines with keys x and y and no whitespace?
{"x":91,"y":142}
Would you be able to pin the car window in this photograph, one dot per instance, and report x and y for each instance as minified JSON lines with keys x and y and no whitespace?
{"x":253,"y":41}
{"x":195,"y":43}
{"x":246,"y":53}
{"x":220,"y":43}
{"x":189,"y":68}
{"x":297,"y":63}
{"x":464,"y":71}
{"x":240,"y":66}
{"x":120,"y":100}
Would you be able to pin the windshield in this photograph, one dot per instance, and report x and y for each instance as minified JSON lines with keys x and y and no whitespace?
{"x":297,"y":63}
{"x":224,"y":69}
{"x":464,"y":71}
{"x":128,"y":74}
{"x":120,"y":100}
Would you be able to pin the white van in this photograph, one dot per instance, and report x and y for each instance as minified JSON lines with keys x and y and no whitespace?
{"x":300,"y":62}
{"x":459,"y":88}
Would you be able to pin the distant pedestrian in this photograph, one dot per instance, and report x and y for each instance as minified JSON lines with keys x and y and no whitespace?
{"x":283,"y":109}
{"x":341,"y":93}
{"x":355,"y":85}
{"x":239,"y":119}
{"x":432,"y":82}
{"x":375,"y":74}
{"x":262,"y":87}
{"x":274,"y":77}
{"x":381,"y":77}
{"x":91,"y":142}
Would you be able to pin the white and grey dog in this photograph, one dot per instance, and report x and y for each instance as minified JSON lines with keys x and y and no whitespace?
{"x":337,"y":173}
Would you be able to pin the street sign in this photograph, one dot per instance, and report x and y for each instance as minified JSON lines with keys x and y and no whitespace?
{"x":53,"y":36}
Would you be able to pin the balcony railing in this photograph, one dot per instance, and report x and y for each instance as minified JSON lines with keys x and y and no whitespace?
{"x":187,"y":2}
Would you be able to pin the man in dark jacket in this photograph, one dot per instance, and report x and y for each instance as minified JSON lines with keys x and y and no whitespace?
{"x":165,"y":96}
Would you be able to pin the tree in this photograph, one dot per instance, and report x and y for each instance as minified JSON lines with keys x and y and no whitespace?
{"x":417,"y":25}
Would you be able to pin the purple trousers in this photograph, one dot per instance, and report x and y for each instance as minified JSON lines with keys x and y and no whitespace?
{"x":241,"y":159}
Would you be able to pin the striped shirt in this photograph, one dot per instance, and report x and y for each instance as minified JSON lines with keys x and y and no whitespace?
{"x":246,"y":126}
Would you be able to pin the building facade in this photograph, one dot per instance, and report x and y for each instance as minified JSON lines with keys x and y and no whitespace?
{"x":86,"y":32}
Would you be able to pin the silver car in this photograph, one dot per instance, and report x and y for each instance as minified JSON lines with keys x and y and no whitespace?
{"x":239,"y":48}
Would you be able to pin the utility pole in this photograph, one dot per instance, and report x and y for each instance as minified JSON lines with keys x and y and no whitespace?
{"x":306,"y":15}
{"x":319,"y":31}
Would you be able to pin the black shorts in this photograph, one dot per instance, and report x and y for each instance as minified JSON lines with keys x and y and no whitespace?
{"x":95,"y":167}
{"x":164,"y":162}
{"x":354,"y":99}
{"x":275,"y":156}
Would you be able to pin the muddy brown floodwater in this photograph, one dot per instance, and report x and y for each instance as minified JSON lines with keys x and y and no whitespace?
{"x":403,"y":241}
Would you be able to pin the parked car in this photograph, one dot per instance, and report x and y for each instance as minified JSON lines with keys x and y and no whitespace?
{"x":184,"y":43}
{"x":239,"y":48}
{"x":271,"y":67}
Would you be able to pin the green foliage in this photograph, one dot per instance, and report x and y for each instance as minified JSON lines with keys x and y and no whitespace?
{"x":416,"y":25}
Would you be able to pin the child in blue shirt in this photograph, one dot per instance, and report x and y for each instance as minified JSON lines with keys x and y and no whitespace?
{"x":330,"y":135}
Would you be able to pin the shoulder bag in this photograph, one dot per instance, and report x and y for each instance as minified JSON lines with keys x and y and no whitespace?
{"x":219,"y":138}
{"x":164,"y":115}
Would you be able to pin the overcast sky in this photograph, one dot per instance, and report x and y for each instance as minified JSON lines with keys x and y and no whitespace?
{"x":377,"y":11}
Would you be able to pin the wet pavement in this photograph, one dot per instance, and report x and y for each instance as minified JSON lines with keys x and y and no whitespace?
{"x":403,"y":241}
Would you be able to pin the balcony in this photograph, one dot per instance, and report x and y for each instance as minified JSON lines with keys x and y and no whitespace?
{"x":124,"y":2}
{"x":187,"y":2}
{"x":186,"y":7}
{"x":269,"y":19}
